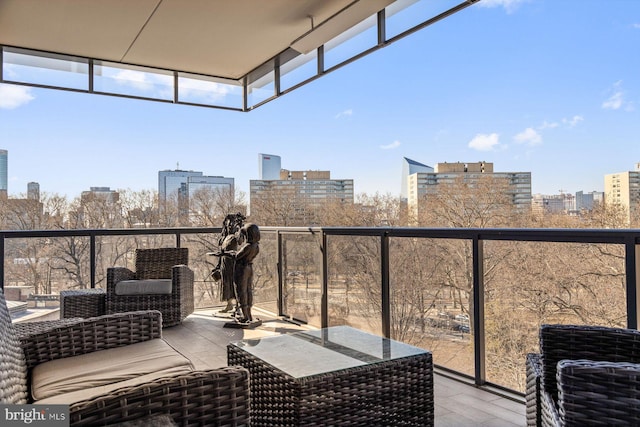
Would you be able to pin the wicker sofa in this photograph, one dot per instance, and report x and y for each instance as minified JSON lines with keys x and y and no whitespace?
{"x":154,"y":265}
{"x":584,"y":376}
{"x":114,"y":368}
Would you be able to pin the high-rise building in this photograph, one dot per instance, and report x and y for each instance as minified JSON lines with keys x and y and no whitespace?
{"x":409,"y":167}
{"x":181,"y":186}
{"x":586,"y":201}
{"x":564,"y":203}
{"x":269,"y":166}
{"x":33,"y":191}
{"x":623,"y":188}
{"x":105,"y":194}
{"x":170,"y":183}
{"x":4,"y":173}
{"x":301,"y":195}
{"x":195,"y":184}
{"x":421,"y":184}
{"x":102,"y":200}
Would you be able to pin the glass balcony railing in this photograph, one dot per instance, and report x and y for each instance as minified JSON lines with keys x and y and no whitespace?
{"x":474,"y":297}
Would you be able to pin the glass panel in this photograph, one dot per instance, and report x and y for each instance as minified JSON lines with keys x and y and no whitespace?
{"x":530,"y":283}
{"x":431,"y":294}
{"x":133,"y":81}
{"x":265,"y":274}
{"x":354,"y":282}
{"x":403,"y":15}
{"x":209,"y":91}
{"x":298,"y":70}
{"x":352,"y":42}
{"x":206,"y":291}
{"x":27,"y":66}
{"x":262,"y":88}
{"x":301,"y":269}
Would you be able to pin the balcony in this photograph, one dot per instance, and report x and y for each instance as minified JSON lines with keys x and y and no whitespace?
{"x":473,"y":297}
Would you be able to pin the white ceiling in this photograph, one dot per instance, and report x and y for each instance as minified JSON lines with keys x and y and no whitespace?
{"x":223,"y":38}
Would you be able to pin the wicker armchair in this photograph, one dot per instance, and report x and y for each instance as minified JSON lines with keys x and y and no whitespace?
{"x":209,"y":397}
{"x":163,"y":263}
{"x":584,"y":375}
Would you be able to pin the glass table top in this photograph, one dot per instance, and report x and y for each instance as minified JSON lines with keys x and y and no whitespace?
{"x":309,"y":353}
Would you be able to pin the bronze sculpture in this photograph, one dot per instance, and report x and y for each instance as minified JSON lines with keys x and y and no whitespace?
{"x":237,"y":248}
{"x":227,"y":243}
{"x":243,"y":277}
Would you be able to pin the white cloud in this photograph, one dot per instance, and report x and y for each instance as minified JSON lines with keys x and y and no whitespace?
{"x":528,"y":136}
{"x":573,"y":121}
{"x":636,"y":26}
{"x":394,"y":144}
{"x":548,"y":125}
{"x":509,"y":5}
{"x":203,"y":91}
{"x":136,"y":79}
{"x":616,"y":99}
{"x":345,"y":113}
{"x":614,"y":102}
{"x":12,"y":96}
{"x":484,"y":142}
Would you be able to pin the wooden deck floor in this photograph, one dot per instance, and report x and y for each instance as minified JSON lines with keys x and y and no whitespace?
{"x":203,"y":339}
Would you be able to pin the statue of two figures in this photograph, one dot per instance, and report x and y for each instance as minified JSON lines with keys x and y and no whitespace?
{"x":237,"y":248}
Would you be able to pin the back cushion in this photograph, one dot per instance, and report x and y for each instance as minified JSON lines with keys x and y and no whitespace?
{"x":573,"y":342}
{"x":157,"y":263}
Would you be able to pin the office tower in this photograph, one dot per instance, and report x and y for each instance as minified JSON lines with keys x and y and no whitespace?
{"x":4,"y":175}
{"x":269,"y":166}
{"x":299,"y":195}
{"x":563,"y":203}
{"x":409,"y":167}
{"x":105,"y":194}
{"x":170,"y":183}
{"x":623,"y":189}
{"x":586,"y":201}
{"x":182,"y":186}
{"x":102,"y":200}
{"x":33,"y":191}
{"x":421,"y":184}
{"x":216,"y":184}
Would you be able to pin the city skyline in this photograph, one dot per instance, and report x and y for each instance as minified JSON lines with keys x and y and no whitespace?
{"x":537,"y":86}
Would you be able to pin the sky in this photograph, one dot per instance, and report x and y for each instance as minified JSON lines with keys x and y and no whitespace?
{"x":550,"y":87}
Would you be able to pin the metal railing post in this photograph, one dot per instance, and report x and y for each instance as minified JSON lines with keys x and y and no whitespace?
{"x":280,"y":278}
{"x":385,"y":291}
{"x":478,"y":311}
{"x":324,"y":298}
{"x":2,"y":263}
{"x":632,"y":261}
{"x":92,"y":256}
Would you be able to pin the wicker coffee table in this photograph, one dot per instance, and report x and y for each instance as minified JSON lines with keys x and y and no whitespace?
{"x":336,"y":376}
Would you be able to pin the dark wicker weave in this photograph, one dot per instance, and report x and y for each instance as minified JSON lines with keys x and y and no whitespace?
{"x":217,"y":397}
{"x":163,"y":263}
{"x":82,"y":303}
{"x":397,"y":392}
{"x":584,"y":367}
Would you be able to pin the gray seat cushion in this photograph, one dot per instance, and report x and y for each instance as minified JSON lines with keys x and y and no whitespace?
{"x":144,"y":287}
{"x":72,"y":379}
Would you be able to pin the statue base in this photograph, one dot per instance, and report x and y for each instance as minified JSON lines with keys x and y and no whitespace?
{"x":224,"y":314}
{"x":243,"y":325}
